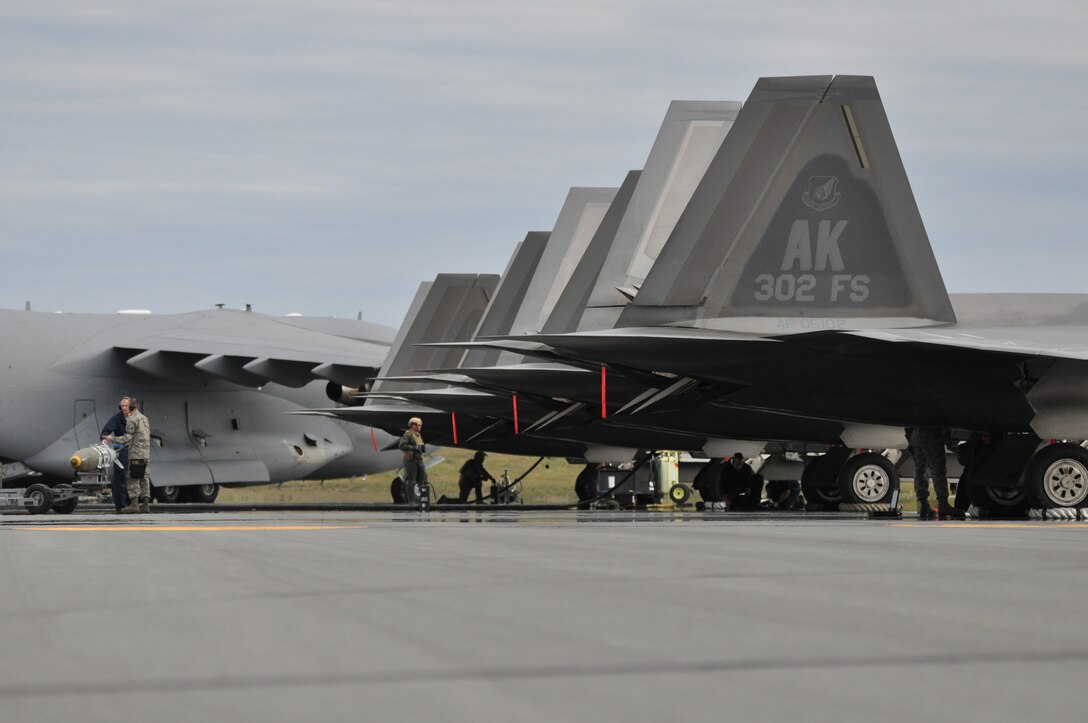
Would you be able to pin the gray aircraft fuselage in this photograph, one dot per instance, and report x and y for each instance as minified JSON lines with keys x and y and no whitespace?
{"x":61,"y":376}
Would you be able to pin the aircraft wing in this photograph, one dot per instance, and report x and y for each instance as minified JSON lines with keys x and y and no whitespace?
{"x":245,"y":348}
{"x":1065,"y":342}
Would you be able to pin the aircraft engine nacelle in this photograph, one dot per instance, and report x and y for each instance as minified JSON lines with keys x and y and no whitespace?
{"x":96,"y":458}
{"x":341,"y":394}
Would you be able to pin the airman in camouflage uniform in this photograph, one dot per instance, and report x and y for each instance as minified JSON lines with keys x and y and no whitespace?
{"x":137,"y":437}
{"x":414,"y":471}
{"x":927,"y":445}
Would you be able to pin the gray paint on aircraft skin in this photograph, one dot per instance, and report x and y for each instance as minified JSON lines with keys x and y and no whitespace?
{"x":62,"y":374}
{"x":738,"y":249}
{"x":970,"y":373}
{"x":879,"y":379}
{"x":446,"y":309}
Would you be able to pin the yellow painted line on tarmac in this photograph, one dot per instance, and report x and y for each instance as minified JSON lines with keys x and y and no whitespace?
{"x":1041,"y":524}
{"x":188,"y":528}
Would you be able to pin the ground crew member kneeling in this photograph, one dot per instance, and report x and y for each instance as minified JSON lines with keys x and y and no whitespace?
{"x":414,"y":471}
{"x":137,"y":438}
{"x":472,"y":477}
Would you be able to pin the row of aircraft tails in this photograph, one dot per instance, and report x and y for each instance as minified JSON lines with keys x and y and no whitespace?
{"x":763,"y":284}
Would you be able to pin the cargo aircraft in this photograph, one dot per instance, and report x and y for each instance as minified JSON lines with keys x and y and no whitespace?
{"x":216,"y":385}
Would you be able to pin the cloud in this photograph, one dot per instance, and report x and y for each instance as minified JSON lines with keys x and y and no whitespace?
{"x":348,"y":150}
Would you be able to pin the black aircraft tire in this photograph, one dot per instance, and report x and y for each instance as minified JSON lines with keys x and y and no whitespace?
{"x":167,"y":495}
{"x":818,"y":483}
{"x":868,"y":478}
{"x":396,"y":491}
{"x":204,"y":494}
{"x":585,"y":485}
{"x":40,"y":497}
{"x":1000,"y":501}
{"x":1057,"y":476}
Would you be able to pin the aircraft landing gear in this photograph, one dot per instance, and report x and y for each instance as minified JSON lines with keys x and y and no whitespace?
{"x":1057,"y":476}
{"x":819,"y":481}
{"x":166,"y":495}
{"x":585,"y":486}
{"x":1000,"y":501}
{"x":868,"y":478}
{"x":204,"y":494}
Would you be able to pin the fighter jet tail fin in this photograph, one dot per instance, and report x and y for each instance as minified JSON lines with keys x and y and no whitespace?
{"x":508,"y":297}
{"x":805,"y":220}
{"x":446,"y":309}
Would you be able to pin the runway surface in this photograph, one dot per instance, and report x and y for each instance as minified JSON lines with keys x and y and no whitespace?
{"x":539,"y":616}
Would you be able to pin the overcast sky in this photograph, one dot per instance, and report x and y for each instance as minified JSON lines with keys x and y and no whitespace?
{"x":325,"y":157}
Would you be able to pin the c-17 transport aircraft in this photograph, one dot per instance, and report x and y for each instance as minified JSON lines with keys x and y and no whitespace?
{"x":217,"y":386}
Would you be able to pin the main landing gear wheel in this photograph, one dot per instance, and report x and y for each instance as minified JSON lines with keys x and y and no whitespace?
{"x":818,"y":483}
{"x":204,"y":494}
{"x":868,"y":478}
{"x":1000,"y":501}
{"x":1057,"y":476}
{"x":166,"y":495}
{"x":585,"y":486}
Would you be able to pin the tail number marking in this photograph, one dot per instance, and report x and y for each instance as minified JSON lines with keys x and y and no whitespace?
{"x":787,"y":287}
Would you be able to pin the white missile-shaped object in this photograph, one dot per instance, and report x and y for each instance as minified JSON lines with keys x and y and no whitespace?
{"x":96,"y":458}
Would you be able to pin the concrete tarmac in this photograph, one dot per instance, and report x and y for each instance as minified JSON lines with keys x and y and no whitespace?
{"x":539,"y":616}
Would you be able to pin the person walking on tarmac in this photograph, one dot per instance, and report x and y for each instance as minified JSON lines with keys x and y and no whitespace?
{"x":113,"y":428}
{"x":414,"y":470}
{"x":472,"y":477}
{"x":927,"y":447}
{"x":137,"y":438}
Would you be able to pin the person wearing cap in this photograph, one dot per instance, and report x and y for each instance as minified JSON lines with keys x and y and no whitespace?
{"x":137,"y":438}
{"x":415,"y":473}
{"x":472,"y":477}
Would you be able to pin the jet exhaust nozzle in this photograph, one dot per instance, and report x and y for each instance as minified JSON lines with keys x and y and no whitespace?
{"x":339,"y":393}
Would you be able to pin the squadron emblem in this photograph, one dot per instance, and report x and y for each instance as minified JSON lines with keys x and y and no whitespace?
{"x":821,"y":194}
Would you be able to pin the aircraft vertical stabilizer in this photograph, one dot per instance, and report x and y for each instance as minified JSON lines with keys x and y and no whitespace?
{"x":581,"y":216}
{"x":508,"y":297}
{"x":804,"y":221}
{"x":580,"y":283}
{"x":446,"y":309}
{"x":690,"y":136}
